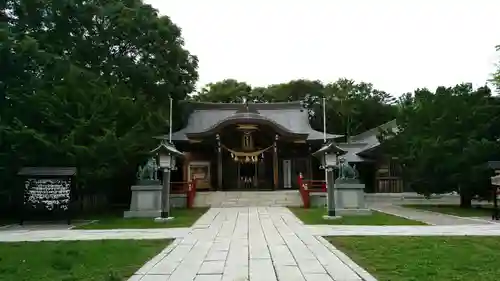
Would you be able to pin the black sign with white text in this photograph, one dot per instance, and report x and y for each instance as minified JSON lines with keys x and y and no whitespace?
{"x":49,"y":194}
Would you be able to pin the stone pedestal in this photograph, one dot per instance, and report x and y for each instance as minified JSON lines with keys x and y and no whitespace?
{"x":350,"y":198}
{"x":318,"y":199}
{"x":145,"y":201}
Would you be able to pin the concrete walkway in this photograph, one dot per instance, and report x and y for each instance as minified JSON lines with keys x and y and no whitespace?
{"x":258,"y":243}
{"x":405,"y":230}
{"x":66,"y":235}
{"x":432,"y":218}
{"x":255,"y":243}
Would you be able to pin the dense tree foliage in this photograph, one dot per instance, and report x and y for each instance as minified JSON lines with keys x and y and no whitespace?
{"x":351,"y":107}
{"x":445,"y":138}
{"x":86,"y":84}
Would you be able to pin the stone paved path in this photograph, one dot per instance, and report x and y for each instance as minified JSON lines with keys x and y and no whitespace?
{"x":405,"y":230}
{"x":255,"y":243}
{"x":59,"y":235}
{"x":432,"y":218}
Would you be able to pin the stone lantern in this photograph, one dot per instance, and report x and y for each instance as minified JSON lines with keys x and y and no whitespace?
{"x":167,"y":154}
{"x":328,"y":155}
{"x":345,"y":194}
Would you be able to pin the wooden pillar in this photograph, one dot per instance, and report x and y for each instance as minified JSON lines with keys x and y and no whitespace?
{"x":219,"y":163}
{"x":185,"y":167}
{"x":275,"y":162}
{"x":309,"y":163}
{"x":255,"y":176}
{"x":238,"y":180}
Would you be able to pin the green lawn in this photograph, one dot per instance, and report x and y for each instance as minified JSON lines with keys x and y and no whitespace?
{"x":182,"y":218}
{"x":315,"y":216}
{"x":102,"y":260}
{"x":391,"y":258}
{"x":4,"y":222}
{"x":476,"y":211}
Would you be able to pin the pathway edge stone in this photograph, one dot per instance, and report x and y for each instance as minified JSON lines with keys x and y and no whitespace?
{"x":453,"y":216}
{"x":399,"y":215}
{"x":365,"y":275}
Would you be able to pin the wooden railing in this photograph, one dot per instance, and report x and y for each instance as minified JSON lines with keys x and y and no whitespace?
{"x":389,"y":185}
{"x":185,"y":187}
{"x":308,"y":186}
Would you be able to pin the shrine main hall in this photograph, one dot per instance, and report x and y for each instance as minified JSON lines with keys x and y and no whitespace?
{"x":265,"y":146}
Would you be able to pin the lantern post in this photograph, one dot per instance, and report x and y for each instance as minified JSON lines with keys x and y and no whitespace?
{"x":328,"y":156}
{"x":167,"y":154}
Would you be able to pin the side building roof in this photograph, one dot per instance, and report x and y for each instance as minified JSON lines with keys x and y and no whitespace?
{"x":289,"y":116}
{"x":359,"y":145}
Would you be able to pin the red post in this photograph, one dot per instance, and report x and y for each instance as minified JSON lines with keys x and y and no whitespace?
{"x":303,"y":192}
{"x":191,"y":192}
{"x":194,"y":185}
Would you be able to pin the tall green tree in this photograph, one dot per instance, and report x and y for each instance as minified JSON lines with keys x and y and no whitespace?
{"x":350,"y":107}
{"x":357,"y":107}
{"x":444,"y":139}
{"x":226,"y":91}
{"x":87,"y":83}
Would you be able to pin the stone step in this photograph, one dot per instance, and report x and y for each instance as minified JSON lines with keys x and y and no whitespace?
{"x":282,"y":198}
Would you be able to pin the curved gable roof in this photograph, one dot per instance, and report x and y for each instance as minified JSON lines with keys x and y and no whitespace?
{"x":288,"y":117}
{"x":248,"y":118}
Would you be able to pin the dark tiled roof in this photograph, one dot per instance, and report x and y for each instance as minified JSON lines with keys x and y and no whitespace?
{"x":364,"y":142}
{"x":47,"y":171}
{"x":352,"y":151}
{"x":371,"y":135}
{"x":494,"y":165}
{"x":290,"y":115}
{"x":330,"y":147}
{"x":169,"y":148}
{"x":241,"y":106}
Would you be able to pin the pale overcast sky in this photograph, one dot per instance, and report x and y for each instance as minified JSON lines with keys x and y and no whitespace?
{"x":398,"y":45}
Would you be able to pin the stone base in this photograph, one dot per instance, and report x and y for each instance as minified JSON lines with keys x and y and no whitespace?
{"x":318,"y":199}
{"x":141,"y":214}
{"x":218,"y":199}
{"x":326,"y":217}
{"x":145,"y":201}
{"x":350,"y":199}
{"x":347,"y":181}
{"x":353,"y":212}
{"x":178,"y":201}
{"x":160,"y":219}
{"x":148,"y":182}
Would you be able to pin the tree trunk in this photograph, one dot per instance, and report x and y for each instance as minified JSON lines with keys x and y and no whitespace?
{"x":465,"y":198}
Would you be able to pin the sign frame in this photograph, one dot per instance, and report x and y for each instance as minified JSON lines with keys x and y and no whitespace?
{"x":38,"y":203}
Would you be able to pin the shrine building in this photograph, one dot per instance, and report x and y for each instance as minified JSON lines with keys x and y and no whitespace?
{"x":264,"y":146}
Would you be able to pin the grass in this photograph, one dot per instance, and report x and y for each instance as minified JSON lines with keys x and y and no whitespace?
{"x":315,"y":216}
{"x":424,"y":258}
{"x":477,"y":211}
{"x":102,"y":260}
{"x":182,"y":218}
{"x":4,"y":222}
